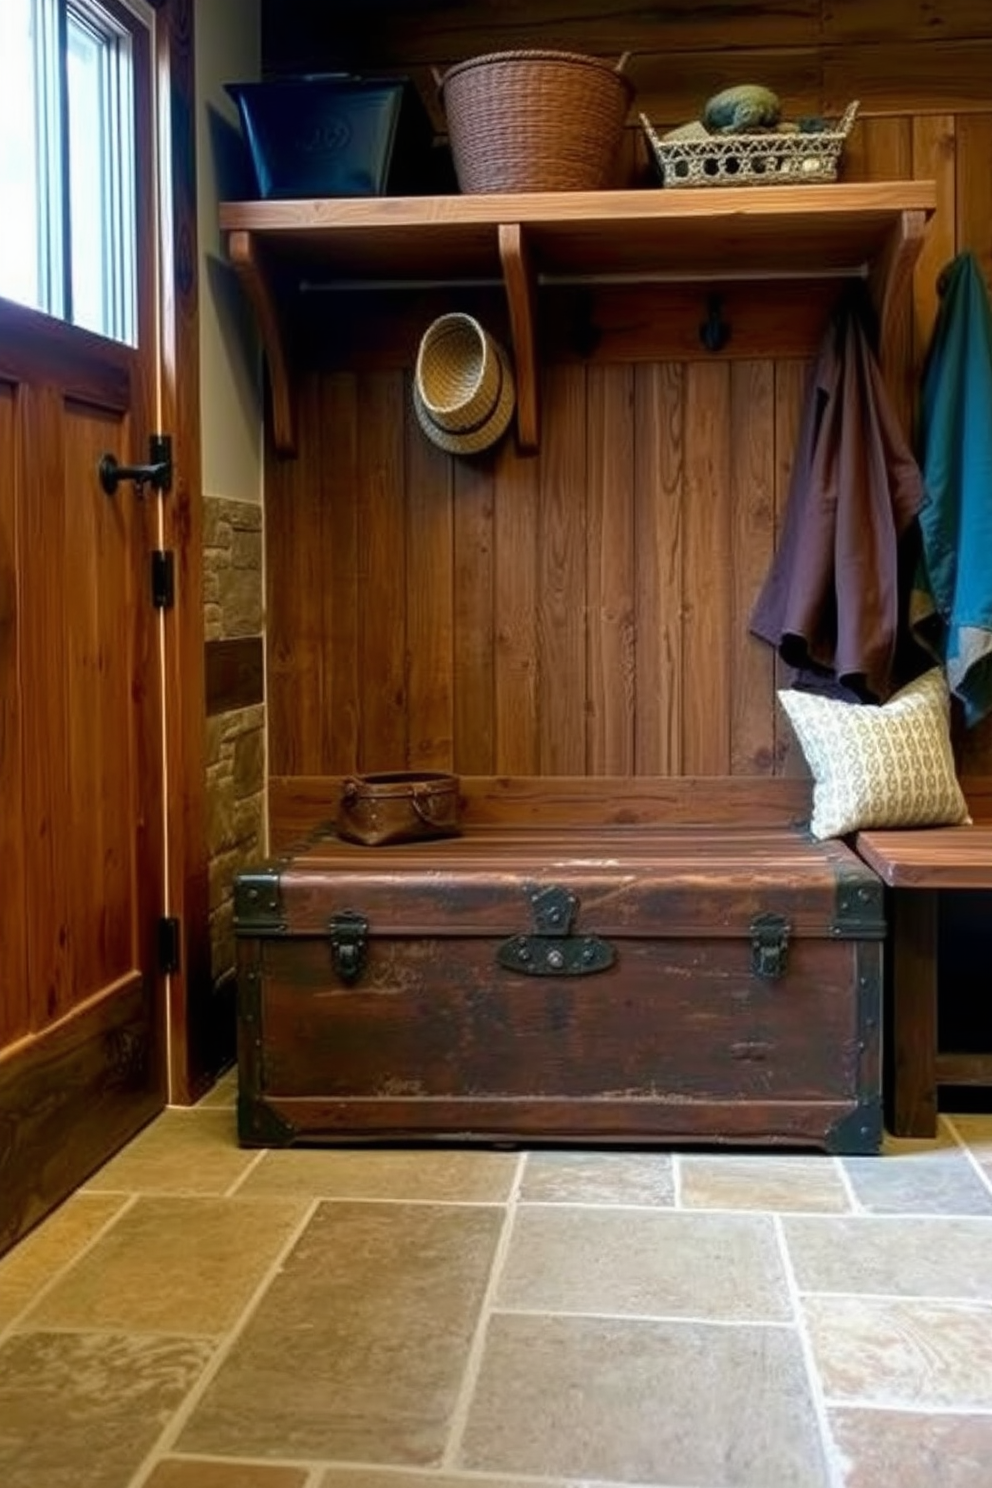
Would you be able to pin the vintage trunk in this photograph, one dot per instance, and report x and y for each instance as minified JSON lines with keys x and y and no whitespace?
{"x":544,"y":983}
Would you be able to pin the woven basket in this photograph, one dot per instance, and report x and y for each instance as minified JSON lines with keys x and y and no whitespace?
{"x":535,"y":121}
{"x":752,"y":159}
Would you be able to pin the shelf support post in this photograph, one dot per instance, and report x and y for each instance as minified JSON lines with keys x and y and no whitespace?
{"x":244,"y":257}
{"x":889,"y":281}
{"x":519,"y":278}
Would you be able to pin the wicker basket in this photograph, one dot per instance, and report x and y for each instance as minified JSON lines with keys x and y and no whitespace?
{"x":535,"y":121}
{"x":751,"y":159}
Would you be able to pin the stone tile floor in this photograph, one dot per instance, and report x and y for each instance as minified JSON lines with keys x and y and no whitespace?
{"x":199,"y":1316}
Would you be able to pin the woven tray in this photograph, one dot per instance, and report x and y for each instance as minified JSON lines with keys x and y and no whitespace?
{"x":751,"y":159}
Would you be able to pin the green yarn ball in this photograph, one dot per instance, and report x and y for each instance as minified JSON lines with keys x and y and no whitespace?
{"x":746,"y":107}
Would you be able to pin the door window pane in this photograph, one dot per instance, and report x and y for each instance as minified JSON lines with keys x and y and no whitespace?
{"x":101,"y":174}
{"x":68,"y":215}
{"x":20,"y":277}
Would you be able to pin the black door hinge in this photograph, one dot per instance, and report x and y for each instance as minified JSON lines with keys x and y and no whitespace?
{"x":168,"y":944}
{"x":163,"y":579}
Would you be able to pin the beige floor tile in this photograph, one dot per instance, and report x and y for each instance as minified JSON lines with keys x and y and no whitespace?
{"x":175,"y":1472}
{"x":84,"y":1409}
{"x":376,"y":1307}
{"x":32,"y":1264}
{"x":598,"y":1178}
{"x":749,"y":1182}
{"x":904,"y":1450}
{"x":919,"y":1177}
{"x":643,"y":1402}
{"x":917,"y":1355}
{"x":935,"y":1258}
{"x":181,"y":1152}
{"x":351,"y":1477}
{"x":433,"y":1176}
{"x":171,"y":1265}
{"x":224,"y":1092}
{"x":655,"y":1265}
{"x":976,"y":1132}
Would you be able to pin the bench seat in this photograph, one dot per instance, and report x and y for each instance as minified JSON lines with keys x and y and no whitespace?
{"x":917,"y":866}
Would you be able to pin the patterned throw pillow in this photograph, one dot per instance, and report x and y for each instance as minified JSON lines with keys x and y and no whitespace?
{"x":887,"y":766}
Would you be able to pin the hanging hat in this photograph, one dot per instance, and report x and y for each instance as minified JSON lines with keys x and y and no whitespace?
{"x":463,"y":388}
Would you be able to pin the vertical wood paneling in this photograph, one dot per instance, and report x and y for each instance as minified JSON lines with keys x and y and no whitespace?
{"x":707,"y":571}
{"x":658,"y":392}
{"x":610,"y":580}
{"x":296,"y":572}
{"x":934,"y":159}
{"x":974,"y":197}
{"x":100,"y":604}
{"x":516,"y":676}
{"x":475,"y":730}
{"x":562,"y":574}
{"x":429,"y":586}
{"x":888,"y":145}
{"x":338,"y":542}
{"x":15,"y":1017}
{"x":752,"y":517}
{"x":791,"y":384}
{"x":46,"y":723}
{"x":382,"y":570}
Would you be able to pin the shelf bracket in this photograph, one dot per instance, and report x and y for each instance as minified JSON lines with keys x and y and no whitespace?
{"x":890,"y":276}
{"x":520,"y":282}
{"x":244,"y":257}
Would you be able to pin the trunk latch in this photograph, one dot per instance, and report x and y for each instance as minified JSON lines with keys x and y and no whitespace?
{"x":769,"y":946}
{"x":348,"y":932}
{"x":552,"y":949}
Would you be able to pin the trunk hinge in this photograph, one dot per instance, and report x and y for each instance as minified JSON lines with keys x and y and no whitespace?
{"x":163,"y":579}
{"x":168,"y":945}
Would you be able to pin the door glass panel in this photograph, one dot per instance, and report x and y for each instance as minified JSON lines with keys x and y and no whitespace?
{"x":21,"y":179}
{"x":101,"y":174}
{"x":67,"y":162}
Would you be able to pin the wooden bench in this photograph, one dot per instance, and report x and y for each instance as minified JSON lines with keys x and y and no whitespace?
{"x":917,"y":866}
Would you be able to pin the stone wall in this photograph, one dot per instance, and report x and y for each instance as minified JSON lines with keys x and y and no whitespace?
{"x":233,"y":590}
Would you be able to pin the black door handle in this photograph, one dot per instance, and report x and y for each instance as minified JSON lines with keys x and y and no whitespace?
{"x":157,"y":473}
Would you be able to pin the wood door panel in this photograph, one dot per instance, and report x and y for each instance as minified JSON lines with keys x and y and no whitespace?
{"x":15,"y":1014}
{"x":71,"y":1097}
{"x":44,"y":653}
{"x":105,"y":537}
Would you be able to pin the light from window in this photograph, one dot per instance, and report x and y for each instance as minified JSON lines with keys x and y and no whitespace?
{"x":20,"y":277}
{"x":68,"y":239}
{"x":101,"y":194}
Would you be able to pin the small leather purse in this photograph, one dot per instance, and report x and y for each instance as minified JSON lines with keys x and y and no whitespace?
{"x":398,"y":806}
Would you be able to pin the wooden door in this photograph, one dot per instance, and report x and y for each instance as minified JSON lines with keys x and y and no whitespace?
{"x":82,"y":1026}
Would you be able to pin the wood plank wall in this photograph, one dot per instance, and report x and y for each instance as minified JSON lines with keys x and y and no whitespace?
{"x":584,"y":612}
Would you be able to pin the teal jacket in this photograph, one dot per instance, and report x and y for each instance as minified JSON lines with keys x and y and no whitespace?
{"x":951,"y":607}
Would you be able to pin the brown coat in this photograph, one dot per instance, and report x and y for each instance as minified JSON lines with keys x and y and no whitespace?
{"x":830,"y":603}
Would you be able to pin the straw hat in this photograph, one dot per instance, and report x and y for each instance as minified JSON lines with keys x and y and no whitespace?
{"x":463,"y":390}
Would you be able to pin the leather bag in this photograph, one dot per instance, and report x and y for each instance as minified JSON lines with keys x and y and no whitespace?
{"x":398,"y":806}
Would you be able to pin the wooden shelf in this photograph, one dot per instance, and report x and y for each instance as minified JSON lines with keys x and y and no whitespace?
{"x":872,"y":229}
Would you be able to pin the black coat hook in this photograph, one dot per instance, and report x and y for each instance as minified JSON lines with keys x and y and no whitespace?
{"x":714,"y":332}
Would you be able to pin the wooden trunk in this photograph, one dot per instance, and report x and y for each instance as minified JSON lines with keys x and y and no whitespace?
{"x":632,"y":984}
